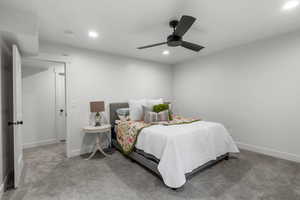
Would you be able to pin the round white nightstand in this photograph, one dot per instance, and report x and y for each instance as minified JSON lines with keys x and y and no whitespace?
{"x":103,"y":129}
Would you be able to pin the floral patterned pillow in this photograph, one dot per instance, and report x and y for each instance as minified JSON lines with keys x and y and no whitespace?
{"x":152,"y":117}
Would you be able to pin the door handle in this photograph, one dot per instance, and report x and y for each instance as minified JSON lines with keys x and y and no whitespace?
{"x":12,"y":123}
{"x":15,"y":123}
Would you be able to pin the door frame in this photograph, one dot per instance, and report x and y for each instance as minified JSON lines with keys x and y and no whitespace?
{"x":67,"y":64}
{"x":57,"y":108}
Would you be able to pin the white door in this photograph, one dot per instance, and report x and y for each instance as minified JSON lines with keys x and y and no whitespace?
{"x":60,"y":103}
{"x":17,"y":115}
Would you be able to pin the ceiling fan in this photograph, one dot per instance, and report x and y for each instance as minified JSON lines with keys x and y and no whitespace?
{"x":175,"y":39}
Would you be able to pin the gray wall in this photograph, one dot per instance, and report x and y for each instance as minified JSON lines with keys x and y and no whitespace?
{"x":253,"y":90}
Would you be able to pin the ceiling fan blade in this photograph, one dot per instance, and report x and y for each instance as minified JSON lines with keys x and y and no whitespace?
{"x":152,"y":45}
{"x":191,"y":46}
{"x":184,"y":25}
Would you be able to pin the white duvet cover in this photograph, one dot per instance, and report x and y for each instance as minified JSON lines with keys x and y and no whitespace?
{"x":183,"y":148}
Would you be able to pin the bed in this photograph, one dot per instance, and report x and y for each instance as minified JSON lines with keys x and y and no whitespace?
{"x":157,"y":148}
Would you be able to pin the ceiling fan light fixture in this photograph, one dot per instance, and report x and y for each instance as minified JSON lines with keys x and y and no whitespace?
{"x":166,"y":52}
{"x":93,"y":34}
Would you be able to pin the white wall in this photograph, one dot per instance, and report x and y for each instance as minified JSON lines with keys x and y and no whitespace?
{"x":38,"y":106}
{"x":253,"y":90}
{"x":100,"y":76}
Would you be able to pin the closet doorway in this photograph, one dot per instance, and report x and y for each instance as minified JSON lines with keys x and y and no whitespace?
{"x":44,"y":105}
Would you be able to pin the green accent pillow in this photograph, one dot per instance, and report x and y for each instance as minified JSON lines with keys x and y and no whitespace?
{"x":161,"y":107}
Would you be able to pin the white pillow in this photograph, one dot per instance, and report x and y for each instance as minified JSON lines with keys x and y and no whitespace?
{"x":136,"y":109}
{"x":153,"y":102}
{"x":123,"y":114}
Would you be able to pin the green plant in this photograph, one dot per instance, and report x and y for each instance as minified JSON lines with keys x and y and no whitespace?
{"x":161,"y":107}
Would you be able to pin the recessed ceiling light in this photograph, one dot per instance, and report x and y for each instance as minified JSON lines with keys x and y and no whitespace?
{"x":166,"y":52}
{"x":93,"y":34}
{"x":290,"y":5}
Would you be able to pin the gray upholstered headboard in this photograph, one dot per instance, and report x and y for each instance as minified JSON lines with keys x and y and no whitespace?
{"x":112,"y":111}
{"x":113,"y":114}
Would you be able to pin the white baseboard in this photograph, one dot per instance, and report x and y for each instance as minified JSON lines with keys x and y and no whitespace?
{"x":74,"y":153}
{"x":39,"y":143}
{"x":269,"y":152}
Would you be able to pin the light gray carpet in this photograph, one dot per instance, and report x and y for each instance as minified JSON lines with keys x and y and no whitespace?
{"x":50,"y":176}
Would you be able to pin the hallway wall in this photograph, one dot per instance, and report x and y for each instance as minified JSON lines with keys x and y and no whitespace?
{"x":39,"y":105}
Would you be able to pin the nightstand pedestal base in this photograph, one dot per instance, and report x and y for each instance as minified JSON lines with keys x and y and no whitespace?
{"x":99,"y":131}
{"x":97,"y":147}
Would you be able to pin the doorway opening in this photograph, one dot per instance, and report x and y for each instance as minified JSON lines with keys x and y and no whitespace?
{"x":44,"y":105}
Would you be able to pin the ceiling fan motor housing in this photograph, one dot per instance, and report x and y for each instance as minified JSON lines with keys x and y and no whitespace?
{"x":174,"y":40}
{"x":173,"y":23}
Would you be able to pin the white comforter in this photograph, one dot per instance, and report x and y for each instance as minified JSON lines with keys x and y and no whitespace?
{"x":183,"y":148}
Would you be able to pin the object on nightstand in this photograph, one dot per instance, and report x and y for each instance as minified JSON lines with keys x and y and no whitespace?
{"x":97,"y":107}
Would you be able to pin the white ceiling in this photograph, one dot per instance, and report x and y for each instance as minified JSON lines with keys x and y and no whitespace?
{"x":18,"y":27}
{"x":126,"y":24}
